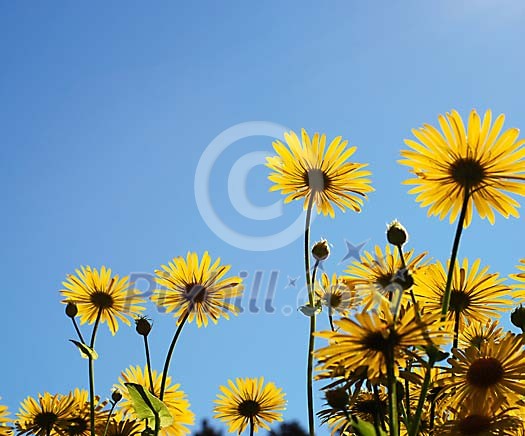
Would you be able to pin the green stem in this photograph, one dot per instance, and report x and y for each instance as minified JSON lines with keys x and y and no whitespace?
{"x":432,"y":414}
{"x":414,"y":426}
{"x":455,"y":248}
{"x":392,"y":393}
{"x":412,"y":296}
{"x":78,"y":331}
{"x":401,"y":255}
{"x":456,"y":328}
{"x":378,"y":418}
{"x":331,"y":319}
{"x":311,"y":339}
{"x":170,"y":352}
{"x":148,"y":363}
{"x":92,"y":374}
{"x":113,"y":404}
{"x":357,"y":390}
{"x":407,"y":393}
{"x":157,"y":423}
{"x":251,"y":426}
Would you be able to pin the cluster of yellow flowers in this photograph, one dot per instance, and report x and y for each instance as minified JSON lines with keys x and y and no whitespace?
{"x":401,"y":315}
{"x":414,"y":348}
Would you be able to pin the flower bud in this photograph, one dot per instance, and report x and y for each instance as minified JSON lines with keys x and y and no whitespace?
{"x":396,"y":233}
{"x":517,"y":317}
{"x":71,"y":310}
{"x":321,"y":250}
{"x":337,"y":398}
{"x":116,"y":396}
{"x":143,"y":326}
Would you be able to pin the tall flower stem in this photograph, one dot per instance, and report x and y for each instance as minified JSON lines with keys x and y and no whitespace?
{"x":170,"y":352}
{"x":392,"y":393}
{"x":453,"y":256}
{"x":404,"y":265}
{"x":311,"y":339}
{"x":414,"y":425}
{"x":456,"y":329}
{"x":79,"y":334}
{"x":444,"y":309}
{"x":113,"y":404}
{"x":148,"y":362}
{"x":378,"y":416}
{"x":92,"y":375}
{"x":251,"y":425}
{"x":331,"y":319}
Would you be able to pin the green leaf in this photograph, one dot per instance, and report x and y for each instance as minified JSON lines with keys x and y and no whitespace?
{"x":85,"y":351}
{"x":308,"y":310}
{"x":146,"y":405}
{"x":365,"y":428}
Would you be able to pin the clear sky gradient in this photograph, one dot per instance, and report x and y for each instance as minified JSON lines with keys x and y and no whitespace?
{"x":106,"y":109}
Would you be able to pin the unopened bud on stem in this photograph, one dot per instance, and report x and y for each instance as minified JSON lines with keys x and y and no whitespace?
{"x":517,"y":317}
{"x":396,"y":233}
{"x":321,"y":250}
{"x":71,"y":310}
{"x":143,"y":326}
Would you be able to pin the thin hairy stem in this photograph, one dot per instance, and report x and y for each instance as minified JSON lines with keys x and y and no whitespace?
{"x":311,"y":339}
{"x":453,"y":256}
{"x":170,"y":353}
{"x":92,"y":374}
{"x":148,"y":363}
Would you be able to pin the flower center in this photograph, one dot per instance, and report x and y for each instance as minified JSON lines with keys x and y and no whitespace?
{"x":76,"y":427}
{"x":459,"y":301}
{"x":249,"y":408}
{"x":370,"y":407}
{"x":485,"y":372}
{"x":474,"y":424}
{"x":46,"y":421}
{"x":382,"y":341}
{"x":477,"y":341}
{"x":335,"y":300}
{"x":316,"y":180}
{"x":337,"y":398}
{"x":195,"y":292}
{"x":467,"y":172}
{"x":102,"y":300}
{"x":384,"y":280}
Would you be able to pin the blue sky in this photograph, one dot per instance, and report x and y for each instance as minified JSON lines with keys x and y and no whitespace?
{"x":107,"y":109}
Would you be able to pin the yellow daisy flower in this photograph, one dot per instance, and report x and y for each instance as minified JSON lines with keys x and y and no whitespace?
{"x":249,"y":402}
{"x":79,"y":422}
{"x":5,"y":429}
{"x":124,"y":428}
{"x":475,"y":295}
{"x":43,"y":416}
{"x":520,"y":279}
{"x":492,"y":374}
{"x":475,"y":334}
{"x":364,"y":407}
{"x":337,"y":294}
{"x":478,"y":160}
{"x":175,"y":399}
{"x":97,"y":294}
{"x":373,"y":335}
{"x":197,"y":290}
{"x":375,"y":274}
{"x":308,"y":167}
{"x":488,"y":419}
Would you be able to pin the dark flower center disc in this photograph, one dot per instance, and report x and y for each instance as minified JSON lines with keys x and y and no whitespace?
{"x":249,"y":408}
{"x":467,"y":172}
{"x":485,"y":372}
{"x":102,"y":300}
